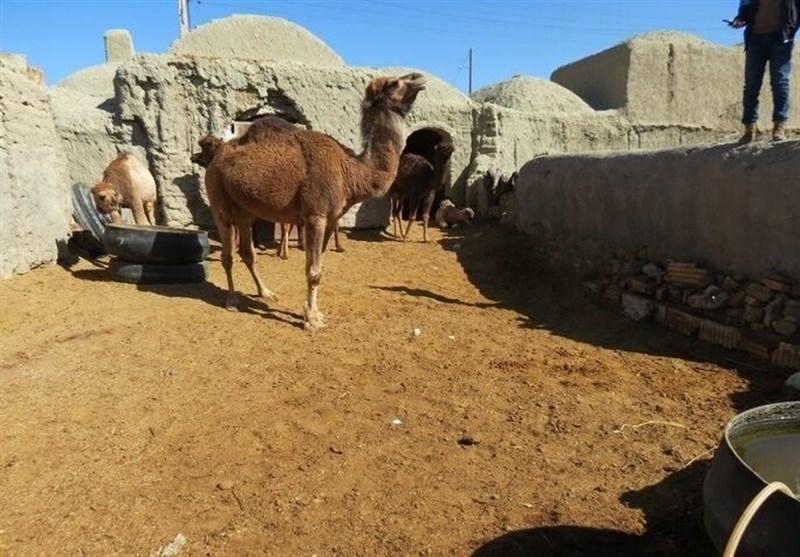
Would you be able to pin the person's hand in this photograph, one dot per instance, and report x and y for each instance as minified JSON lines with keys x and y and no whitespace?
{"x":736,"y":23}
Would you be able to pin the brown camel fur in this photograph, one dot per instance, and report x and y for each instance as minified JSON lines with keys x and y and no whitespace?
{"x":126,"y":182}
{"x":308,"y":178}
{"x":417,"y":182}
{"x":257,"y":132}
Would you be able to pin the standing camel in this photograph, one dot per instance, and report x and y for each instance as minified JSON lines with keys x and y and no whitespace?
{"x":417,"y":182}
{"x":308,"y":178}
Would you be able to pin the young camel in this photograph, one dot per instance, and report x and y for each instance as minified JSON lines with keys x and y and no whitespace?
{"x":308,"y":178}
{"x":257,"y":132}
{"x":417,"y":182}
{"x":126,"y":182}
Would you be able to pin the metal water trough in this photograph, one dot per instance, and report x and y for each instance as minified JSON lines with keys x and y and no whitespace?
{"x":747,"y":515}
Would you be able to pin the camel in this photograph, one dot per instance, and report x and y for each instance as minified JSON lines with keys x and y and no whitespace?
{"x":257,"y":132}
{"x":417,"y":182}
{"x":126,"y":182}
{"x":306,"y":177}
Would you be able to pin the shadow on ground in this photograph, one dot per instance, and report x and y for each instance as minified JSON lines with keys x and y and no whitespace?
{"x":205,"y":291}
{"x":512,"y":271}
{"x":673,"y":513}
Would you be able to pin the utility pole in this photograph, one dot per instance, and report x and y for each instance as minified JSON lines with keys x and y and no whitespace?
{"x":470,"y":71}
{"x":183,"y":16}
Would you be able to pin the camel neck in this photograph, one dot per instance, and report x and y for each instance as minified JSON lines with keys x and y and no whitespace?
{"x":383,"y":139}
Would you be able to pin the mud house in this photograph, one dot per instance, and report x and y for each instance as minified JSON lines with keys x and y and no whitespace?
{"x":160,"y":105}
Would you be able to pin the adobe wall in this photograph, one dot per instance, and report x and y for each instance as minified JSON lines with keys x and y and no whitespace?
{"x":735,"y":207}
{"x":174,"y":101}
{"x":672,"y":79}
{"x":35,"y":202}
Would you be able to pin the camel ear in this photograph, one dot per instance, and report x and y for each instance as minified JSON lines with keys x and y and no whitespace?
{"x":379,"y":90}
{"x":513,"y":179}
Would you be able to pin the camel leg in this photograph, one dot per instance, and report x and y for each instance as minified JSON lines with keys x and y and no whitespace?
{"x":300,"y":241}
{"x":334,"y":229}
{"x":426,"y":211}
{"x":137,"y":207}
{"x":336,"y":242}
{"x":283,"y":249}
{"x":228,"y":237}
{"x":412,"y":216}
{"x":314,"y":238}
{"x":150,"y":209}
{"x":397,"y":226}
{"x":247,"y":252}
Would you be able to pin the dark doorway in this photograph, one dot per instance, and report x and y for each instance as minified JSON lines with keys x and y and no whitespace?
{"x":423,"y":142}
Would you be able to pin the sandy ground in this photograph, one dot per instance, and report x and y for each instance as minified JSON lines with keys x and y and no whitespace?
{"x":526,"y":419}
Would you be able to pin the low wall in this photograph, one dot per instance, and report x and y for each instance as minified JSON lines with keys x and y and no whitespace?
{"x":735,"y":207}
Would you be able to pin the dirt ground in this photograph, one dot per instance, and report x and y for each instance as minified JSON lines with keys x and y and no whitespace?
{"x":525,"y":418}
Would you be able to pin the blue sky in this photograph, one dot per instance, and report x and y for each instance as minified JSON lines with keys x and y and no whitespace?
{"x":529,"y":37}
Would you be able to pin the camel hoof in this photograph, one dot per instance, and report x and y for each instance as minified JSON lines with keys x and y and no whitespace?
{"x":268,"y":296}
{"x":314,"y":320}
{"x":232,"y":303}
{"x":314,"y":326}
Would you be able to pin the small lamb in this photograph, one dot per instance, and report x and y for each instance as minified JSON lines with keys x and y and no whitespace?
{"x":448,"y":214}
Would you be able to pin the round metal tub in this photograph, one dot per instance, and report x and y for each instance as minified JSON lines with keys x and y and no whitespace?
{"x":739,"y":473}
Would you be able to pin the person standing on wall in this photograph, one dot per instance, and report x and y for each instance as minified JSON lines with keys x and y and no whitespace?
{"x":770,"y":27}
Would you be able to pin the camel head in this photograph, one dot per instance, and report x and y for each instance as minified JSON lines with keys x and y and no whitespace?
{"x":208,"y":148}
{"x":443,"y":150}
{"x":394,"y":93}
{"x":106,"y":197}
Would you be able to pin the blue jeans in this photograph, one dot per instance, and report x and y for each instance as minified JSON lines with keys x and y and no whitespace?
{"x":763,"y":49}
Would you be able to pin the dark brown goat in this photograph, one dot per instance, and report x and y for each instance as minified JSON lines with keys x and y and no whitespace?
{"x":498,"y":184}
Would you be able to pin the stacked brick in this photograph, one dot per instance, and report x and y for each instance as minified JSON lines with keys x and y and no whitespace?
{"x":760,"y":316}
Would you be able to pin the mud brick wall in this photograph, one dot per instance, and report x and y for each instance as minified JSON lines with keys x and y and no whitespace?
{"x":760,"y":316}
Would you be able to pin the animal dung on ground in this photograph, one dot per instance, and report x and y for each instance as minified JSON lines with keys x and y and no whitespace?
{"x":467,"y":441}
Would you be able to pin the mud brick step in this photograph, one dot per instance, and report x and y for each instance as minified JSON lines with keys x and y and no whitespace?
{"x":687,"y":274}
{"x":755,"y":348}
{"x":759,"y":292}
{"x":724,"y":335}
{"x":787,"y":355}
{"x":612,"y":293}
{"x":776,"y":284}
{"x":642,"y":284}
{"x":681,"y":321}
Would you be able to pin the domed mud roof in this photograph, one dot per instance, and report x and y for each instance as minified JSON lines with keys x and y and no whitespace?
{"x":97,"y":81}
{"x":531,"y":94}
{"x":256,"y":37}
